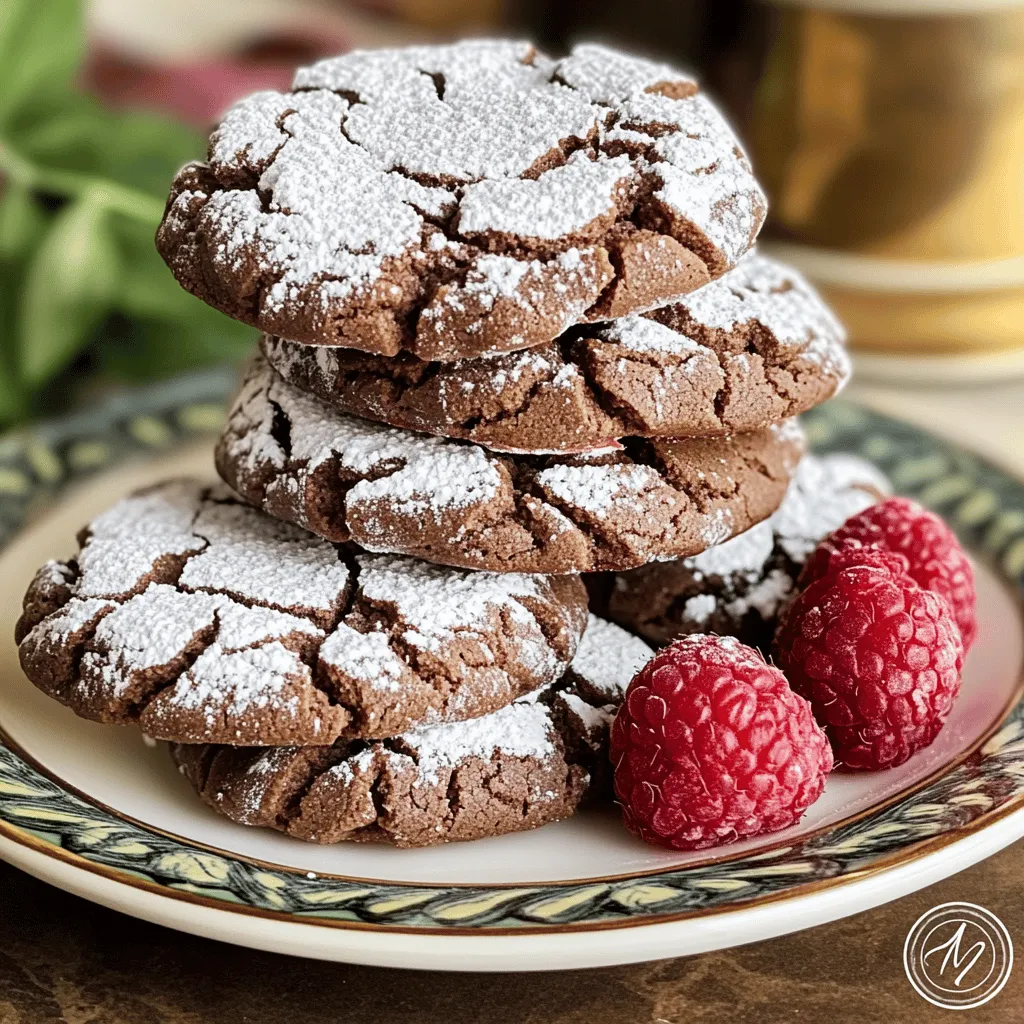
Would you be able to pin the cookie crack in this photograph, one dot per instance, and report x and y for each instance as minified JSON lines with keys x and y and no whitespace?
{"x":178,"y":667}
{"x":439,"y":81}
{"x":616,"y":410}
{"x":612,"y":538}
{"x":472,"y":424}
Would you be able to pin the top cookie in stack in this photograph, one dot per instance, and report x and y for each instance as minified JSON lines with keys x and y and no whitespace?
{"x":545,"y":264}
{"x":458,"y":201}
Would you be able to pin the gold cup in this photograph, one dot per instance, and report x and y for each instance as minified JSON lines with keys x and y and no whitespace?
{"x":892,"y":149}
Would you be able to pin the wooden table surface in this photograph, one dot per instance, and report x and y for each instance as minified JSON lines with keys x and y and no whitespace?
{"x":62,"y":959}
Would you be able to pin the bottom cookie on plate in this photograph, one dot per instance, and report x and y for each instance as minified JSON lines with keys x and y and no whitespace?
{"x":738,"y":588}
{"x":525,"y":765}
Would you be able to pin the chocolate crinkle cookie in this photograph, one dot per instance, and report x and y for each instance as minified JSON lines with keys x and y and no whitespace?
{"x":204,"y":620}
{"x":458,"y":504}
{"x":738,"y":588}
{"x":752,"y":348}
{"x":459,"y":200}
{"x":525,"y":765}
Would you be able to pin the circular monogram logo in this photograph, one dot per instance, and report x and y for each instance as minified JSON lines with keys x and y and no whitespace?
{"x":958,"y":955}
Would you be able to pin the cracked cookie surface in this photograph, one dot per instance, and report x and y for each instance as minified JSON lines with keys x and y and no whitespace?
{"x":459,"y":200}
{"x":752,"y":348}
{"x":458,"y":504}
{"x":523,"y":766}
{"x":738,"y":588}
{"x":204,"y":620}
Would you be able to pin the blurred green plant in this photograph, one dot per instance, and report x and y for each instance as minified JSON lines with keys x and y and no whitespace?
{"x":82,"y":189}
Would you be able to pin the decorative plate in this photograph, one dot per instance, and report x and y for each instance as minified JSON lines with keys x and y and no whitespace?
{"x":94,"y":810}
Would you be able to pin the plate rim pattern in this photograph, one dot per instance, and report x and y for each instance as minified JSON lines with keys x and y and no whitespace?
{"x":984,"y":504}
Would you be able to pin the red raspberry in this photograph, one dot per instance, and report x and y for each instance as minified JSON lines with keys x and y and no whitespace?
{"x":827,"y":560}
{"x":879,"y":659}
{"x":711,"y":745}
{"x":934,"y":556}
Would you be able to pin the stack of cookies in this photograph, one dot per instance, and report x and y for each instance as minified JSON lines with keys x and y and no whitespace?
{"x":516,"y":332}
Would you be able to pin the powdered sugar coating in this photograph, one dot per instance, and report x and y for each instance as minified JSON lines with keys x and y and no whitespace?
{"x":758,"y":295}
{"x":745,"y":553}
{"x":77,"y":615}
{"x":523,"y":729}
{"x":741,"y":586}
{"x":261,"y":559}
{"x":438,"y":605}
{"x":641,"y":334}
{"x":595,"y":490}
{"x":515,"y":768}
{"x":351,"y":191}
{"x":765,"y":350}
{"x":235,"y":684}
{"x":609,"y":77}
{"x":824,"y":493}
{"x":459,"y":504}
{"x":559,"y":202}
{"x":431,"y":477}
{"x":368,"y":657}
{"x":266,"y":634}
{"x":699,"y":608}
{"x":160,"y":525}
{"x":608,"y":658}
{"x":592,"y":719}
